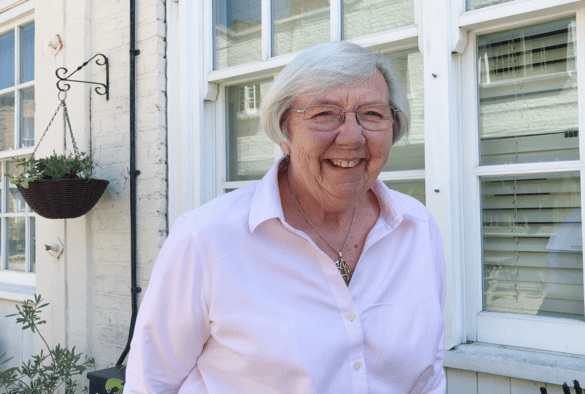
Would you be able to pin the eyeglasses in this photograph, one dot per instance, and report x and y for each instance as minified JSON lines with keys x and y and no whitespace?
{"x":330,"y":117}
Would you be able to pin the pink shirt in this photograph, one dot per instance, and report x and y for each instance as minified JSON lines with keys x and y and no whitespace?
{"x":241,"y":302}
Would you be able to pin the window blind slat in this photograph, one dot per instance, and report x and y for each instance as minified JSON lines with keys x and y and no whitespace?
{"x":530,"y":144}
{"x":542,"y":201}
{"x":518,"y":231}
{"x":527,"y":215}
{"x":531,"y":184}
{"x":531,"y":259}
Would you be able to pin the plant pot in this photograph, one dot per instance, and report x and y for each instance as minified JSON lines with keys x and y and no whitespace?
{"x":63,"y":198}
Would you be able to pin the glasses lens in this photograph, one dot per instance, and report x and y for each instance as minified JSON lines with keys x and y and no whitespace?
{"x":324,"y":117}
{"x":375,"y":117}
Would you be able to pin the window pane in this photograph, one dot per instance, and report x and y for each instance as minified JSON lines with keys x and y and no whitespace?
{"x":27,"y":53}
{"x":32,"y":244}
{"x":237,"y":32}
{"x":7,"y":121}
{"x":16,"y":203}
{"x":361,"y":17}
{"x":409,"y":152}
{"x":16,"y":243}
{"x":250,"y":152}
{"x":27,"y":118}
{"x":414,"y":188}
{"x":475,"y":4}
{"x":299,"y":24}
{"x":528,"y":95}
{"x":532,"y":245}
{"x":7,"y":60}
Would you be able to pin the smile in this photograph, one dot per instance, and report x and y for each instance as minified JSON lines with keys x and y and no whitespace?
{"x":344,"y":163}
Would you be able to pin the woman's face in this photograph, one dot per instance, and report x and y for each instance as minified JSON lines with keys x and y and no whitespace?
{"x":338,"y":166}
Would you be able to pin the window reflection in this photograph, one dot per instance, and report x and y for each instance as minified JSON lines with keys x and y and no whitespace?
{"x":362,"y":17}
{"x":528,"y":95}
{"x":532,"y":245}
{"x":299,"y":24}
{"x":250,"y":153}
{"x":7,"y":60}
{"x":237,"y":32}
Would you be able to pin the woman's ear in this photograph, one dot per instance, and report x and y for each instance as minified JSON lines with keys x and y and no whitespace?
{"x":285,"y":148}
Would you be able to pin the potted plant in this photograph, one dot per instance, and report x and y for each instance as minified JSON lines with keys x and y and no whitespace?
{"x":58,"y":186}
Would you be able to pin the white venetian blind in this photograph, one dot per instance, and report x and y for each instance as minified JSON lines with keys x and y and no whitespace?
{"x":528,"y":95}
{"x":532,"y":231}
{"x":532,"y":245}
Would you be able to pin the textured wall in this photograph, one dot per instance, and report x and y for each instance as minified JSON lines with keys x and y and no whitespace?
{"x":110,"y":227}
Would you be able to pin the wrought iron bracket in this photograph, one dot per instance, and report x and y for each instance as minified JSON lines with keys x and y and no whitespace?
{"x":101,"y":89}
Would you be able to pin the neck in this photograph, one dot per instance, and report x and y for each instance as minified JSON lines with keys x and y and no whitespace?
{"x":319,"y":214}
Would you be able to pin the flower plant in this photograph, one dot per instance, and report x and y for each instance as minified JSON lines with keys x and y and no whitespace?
{"x":52,"y":167}
{"x":45,"y":373}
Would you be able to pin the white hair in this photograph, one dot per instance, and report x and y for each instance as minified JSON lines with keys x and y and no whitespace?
{"x":321,"y":67}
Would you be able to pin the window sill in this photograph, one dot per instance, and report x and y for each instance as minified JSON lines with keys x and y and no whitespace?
{"x":555,"y":368}
{"x":16,"y":293}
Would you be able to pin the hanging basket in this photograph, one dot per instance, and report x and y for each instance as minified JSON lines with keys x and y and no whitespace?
{"x":63,"y":198}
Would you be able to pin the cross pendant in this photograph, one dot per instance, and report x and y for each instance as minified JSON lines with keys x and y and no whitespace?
{"x":343,"y":269}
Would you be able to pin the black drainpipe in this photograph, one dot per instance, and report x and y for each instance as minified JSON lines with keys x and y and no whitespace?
{"x":133,"y":174}
{"x":115,"y":376}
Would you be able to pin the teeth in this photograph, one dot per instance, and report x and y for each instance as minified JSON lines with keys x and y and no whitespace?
{"x":345,"y":163}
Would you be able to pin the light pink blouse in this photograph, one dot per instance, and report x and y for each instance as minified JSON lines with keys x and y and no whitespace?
{"x":241,"y":302}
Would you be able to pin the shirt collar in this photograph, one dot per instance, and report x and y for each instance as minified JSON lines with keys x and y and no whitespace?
{"x":266,"y":203}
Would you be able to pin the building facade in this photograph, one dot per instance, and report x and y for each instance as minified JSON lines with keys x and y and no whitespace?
{"x":496,"y":89}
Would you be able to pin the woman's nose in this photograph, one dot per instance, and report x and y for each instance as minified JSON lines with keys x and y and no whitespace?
{"x":350,"y":132}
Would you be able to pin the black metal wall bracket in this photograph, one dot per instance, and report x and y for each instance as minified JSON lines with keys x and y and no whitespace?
{"x":102,"y":89}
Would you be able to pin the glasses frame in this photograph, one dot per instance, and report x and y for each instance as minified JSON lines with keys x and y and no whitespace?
{"x":393,"y":112}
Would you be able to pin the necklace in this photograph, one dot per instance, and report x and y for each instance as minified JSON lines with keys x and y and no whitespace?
{"x":341,"y":264}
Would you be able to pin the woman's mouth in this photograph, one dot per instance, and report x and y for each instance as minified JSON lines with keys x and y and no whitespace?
{"x":344,"y":163}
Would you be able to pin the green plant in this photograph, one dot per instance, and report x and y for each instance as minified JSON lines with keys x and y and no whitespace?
{"x":44,"y":373}
{"x":52,"y":167}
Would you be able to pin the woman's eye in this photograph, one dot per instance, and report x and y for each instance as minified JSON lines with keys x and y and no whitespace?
{"x":373,"y":114}
{"x":323,"y":113}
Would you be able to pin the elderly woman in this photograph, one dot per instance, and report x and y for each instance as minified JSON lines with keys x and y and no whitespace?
{"x":317,"y":279}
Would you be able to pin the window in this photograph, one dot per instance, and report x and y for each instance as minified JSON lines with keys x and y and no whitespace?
{"x":527,"y":175}
{"x":295,"y":25}
{"x":250,"y":153}
{"x":254,"y":30}
{"x":532,"y":242}
{"x":17,"y":87}
{"x":362,"y":17}
{"x":404,"y":171}
{"x":17,"y":108}
{"x":475,"y":4}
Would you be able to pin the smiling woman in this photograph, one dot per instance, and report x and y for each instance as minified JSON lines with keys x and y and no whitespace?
{"x":318,"y":278}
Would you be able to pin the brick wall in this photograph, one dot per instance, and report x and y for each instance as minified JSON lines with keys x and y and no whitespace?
{"x":110,"y":225}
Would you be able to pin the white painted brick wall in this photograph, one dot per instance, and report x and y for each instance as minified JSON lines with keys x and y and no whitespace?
{"x":110,"y":280}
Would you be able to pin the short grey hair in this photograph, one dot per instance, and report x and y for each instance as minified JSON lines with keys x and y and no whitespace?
{"x":323,"y":66}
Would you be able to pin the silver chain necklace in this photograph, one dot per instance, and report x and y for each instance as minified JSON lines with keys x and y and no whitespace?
{"x":341,"y":264}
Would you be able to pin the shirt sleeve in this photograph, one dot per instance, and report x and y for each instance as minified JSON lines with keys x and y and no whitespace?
{"x":172,"y":324}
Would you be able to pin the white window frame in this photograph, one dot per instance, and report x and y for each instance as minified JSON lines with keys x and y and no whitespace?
{"x":533,"y":332}
{"x":13,"y":15}
{"x":393,"y":40}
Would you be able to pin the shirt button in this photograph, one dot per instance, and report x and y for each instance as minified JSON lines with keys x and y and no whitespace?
{"x":350,"y":317}
{"x":357,"y":366}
